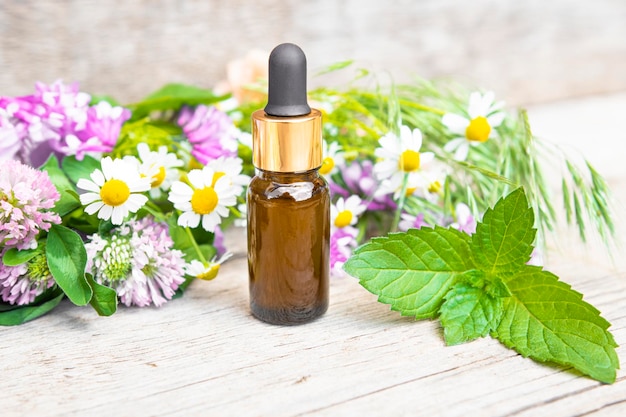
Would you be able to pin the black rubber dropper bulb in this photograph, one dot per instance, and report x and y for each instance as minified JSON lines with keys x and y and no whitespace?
{"x":287,"y":82}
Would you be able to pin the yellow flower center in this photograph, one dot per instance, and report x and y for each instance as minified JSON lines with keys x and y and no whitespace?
{"x":327,"y":165}
{"x":210,"y":273}
{"x":343,"y":219}
{"x":410,"y":191}
{"x":478,"y":130}
{"x":158,"y":178}
{"x":204,"y":201}
{"x":216,"y":177}
{"x":409,"y":161}
{"x":434,"y":187}
{"x":114,"y":193}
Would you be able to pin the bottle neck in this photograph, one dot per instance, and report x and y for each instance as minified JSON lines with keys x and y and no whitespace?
{"x":287,"y":177}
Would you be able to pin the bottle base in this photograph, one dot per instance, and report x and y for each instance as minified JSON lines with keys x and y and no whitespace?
{"x":288,"y":317}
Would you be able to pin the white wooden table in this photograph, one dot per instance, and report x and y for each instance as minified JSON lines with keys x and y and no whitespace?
{"x":205,"y":355}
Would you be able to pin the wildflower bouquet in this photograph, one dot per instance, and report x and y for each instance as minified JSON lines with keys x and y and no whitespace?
{"x":103,"y":203}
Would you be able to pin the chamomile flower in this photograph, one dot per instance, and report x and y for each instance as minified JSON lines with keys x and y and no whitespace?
{"x":333,"y":158}
{"x":400,"y":156}
{"x":159,"y":166}
{"x":483,"y":115}
{"x":346,"y":212}
{"x":206,"y":198}
{"x":230,"y":167}
{"x":206,"y":271}
{"x":428,"y":186}
{"x":114,"y":191}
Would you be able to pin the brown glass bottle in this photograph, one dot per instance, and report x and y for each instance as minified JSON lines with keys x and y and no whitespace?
{"x":288,"y":201}
{"x":288,"y":246}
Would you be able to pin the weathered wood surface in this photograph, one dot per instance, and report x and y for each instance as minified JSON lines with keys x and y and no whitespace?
{"x":527,"y":51}
{"x":205,"y":355}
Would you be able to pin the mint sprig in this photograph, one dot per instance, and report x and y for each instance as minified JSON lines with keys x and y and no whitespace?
{"x":481,"y":284}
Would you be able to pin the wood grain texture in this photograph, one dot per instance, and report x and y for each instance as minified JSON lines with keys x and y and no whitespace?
{"x":528,"y":51}
{"x":205,"y":355}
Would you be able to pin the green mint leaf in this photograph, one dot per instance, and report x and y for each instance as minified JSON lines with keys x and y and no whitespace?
{"x":469,"y":313}
{"x":67,"y":259}
{"x":548,"y":321}
{"x":503,"y":240}
{"x":104,"y":299}
{"x":67,"y":201}
{"x":412,"y":271}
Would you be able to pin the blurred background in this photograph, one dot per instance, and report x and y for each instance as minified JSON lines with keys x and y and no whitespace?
{"x":529,"y":52}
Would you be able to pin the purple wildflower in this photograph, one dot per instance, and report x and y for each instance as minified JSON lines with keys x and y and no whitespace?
{"x":100,"y":133}
{"x":57,"y":119}
{"x":210,"y":131}
{"x":138,"y":261}
{"x":408,"y":221}
{"x":465,"y":222}
{"x":342,"y":242}
{"x":10,"y":141}
{"x":26,"y":195}
{"x":360,"y":180}
{"x":21,"y":284}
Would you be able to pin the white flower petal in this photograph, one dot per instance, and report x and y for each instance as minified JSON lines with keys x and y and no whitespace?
{"x":385,"y":169}
{"x":135,"y":202}
{"x":105,"y":212}
{"x":107,"y":168}
{"x":98,"y":177}
{"x":454,"y":144}
{"x":189,"y":219}
{"x":93,"y":207}
{"x":461,"y":152}
{"x":118,"y":214}
{"x":210,"y":221}
{"x":455,"y":123}
{"x":496,"y":119}
{"x":228,"y":201}
{"x":391,"y":143}
{"x":222,"y":210}
{"x":181,"y":189}
{"x":426,"y":158}
{"x":475,"y":107}
{"x":417,"y":139}
{"x":87,"y":185}
{"x":197,"y":179}
{"x":89,"y":198}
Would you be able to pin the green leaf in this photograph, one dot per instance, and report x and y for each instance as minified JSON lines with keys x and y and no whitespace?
{"x":67,"y":201}
{"x":182,"y":240}
{"x":20,"y":315}
{"x":104,"y":299}
{"x":469,"y":313}
{"x":67,"y":259}
{"x":14,"y":257}
{"x":503,"y":240}
{"x":173,"y":97}
{"x":76,"y":169}
{"x":412,"y":271}
{"x":548,"y":321}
